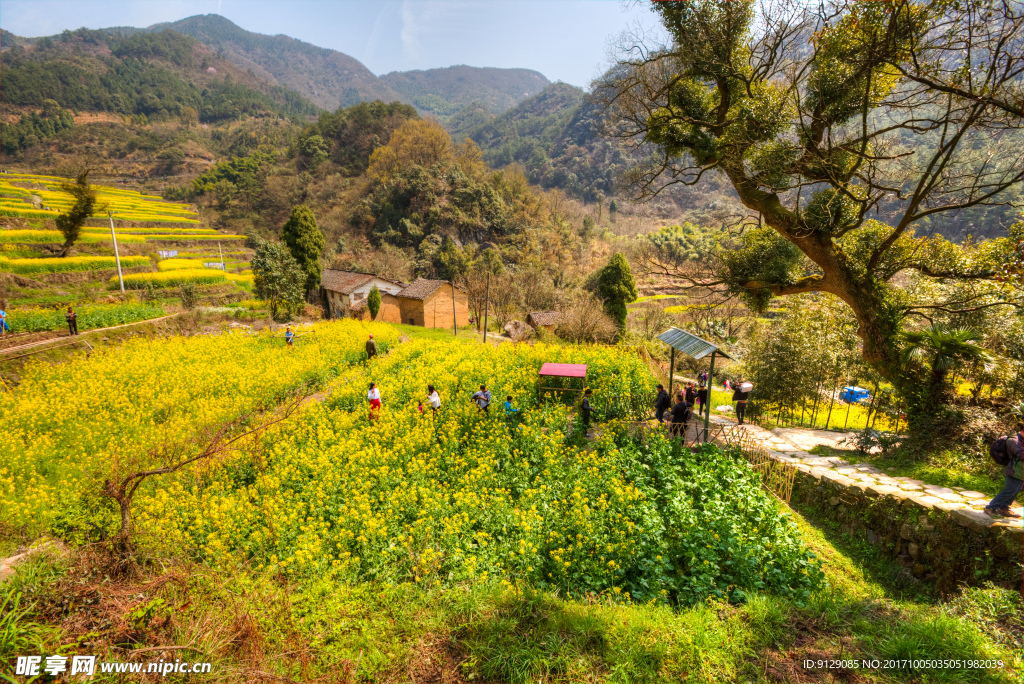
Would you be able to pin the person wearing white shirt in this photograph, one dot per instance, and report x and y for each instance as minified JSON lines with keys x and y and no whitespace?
{"x":434,"y":398}
{"x":374,"y":397}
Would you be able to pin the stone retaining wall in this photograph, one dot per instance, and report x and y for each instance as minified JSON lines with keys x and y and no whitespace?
{"x":939,"y":534}
{"x":943,"y":542}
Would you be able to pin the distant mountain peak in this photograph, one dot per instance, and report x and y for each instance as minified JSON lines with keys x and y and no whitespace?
{"x":495,"y":88}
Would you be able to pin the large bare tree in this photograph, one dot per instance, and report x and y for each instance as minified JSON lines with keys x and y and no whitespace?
{"x":842,"y":127}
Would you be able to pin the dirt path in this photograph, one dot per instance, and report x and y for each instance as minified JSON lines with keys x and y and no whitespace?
{"x":56,"y":335}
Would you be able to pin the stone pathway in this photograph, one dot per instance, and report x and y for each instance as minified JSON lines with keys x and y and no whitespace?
{"x":791,"y":445}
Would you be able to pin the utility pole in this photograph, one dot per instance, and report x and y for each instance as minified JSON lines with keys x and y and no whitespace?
{"x":117,"y":257}
{"x":221,"y":253}
{"x":707,"y":414}
{"x":455,"y":317}
{"x":487,"y":304}
{"x":671,"y":370}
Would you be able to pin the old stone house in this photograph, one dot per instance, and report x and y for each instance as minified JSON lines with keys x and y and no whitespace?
{"x":424,"y":302}
{"x":431,"y":303}
{"x":344,"y":294}
{"x":544,"y":320}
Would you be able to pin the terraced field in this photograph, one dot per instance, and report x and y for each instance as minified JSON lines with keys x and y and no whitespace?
{"x":100,"y":235}
{"x":33,"y":196}
{"x":68,"y":264}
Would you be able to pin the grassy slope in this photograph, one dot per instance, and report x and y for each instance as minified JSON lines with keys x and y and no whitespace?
{"x":249,"y":623}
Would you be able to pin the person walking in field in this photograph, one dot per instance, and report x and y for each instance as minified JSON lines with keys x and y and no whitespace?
{"x":661,"y":404}
{"x":373,"y":396}
{"x":4,"y":328}
{"x":433,"y":398}
{"x":371,"y":348}
{"x":508,"y":406}
{"x":702,"y":399}
{"x":482,"y":399}
{"x":740,"y":396}
{"x":289,"y":336}
{"x":727,"y":385}
{"x":586,"y":410}
{"x":72,"y":318}
{"x":1013,"y":472}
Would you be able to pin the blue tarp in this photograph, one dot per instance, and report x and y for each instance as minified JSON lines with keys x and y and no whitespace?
{"x":853,"y":394}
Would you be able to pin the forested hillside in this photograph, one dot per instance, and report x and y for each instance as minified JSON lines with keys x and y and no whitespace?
{"x":443,"y":92}
{"x":556,"y":136}
{"x":329,"y":78}
{"x":146,"y":75}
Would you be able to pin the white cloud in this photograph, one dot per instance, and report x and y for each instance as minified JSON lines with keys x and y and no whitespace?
{"x":427,"y":25}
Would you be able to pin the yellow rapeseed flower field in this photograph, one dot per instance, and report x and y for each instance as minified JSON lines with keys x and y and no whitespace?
{"x":403,"y":497}
{"x":64,"y":426}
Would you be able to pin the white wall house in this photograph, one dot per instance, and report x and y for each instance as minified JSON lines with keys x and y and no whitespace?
{"x":345,"y":292}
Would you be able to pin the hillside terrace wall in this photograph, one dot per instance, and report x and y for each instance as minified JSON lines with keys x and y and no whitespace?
{"x":938,"y":534}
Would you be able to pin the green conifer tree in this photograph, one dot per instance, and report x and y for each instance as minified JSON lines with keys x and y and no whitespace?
{"x":616,"y":287}
{"x":305,"y":240}
{"x":373,"y":302}
{"x":70,"y":222}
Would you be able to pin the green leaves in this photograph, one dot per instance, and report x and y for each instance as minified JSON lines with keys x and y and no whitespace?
{"x":70,"y":223}
{"x":277,"y":277}
{"x":373,"y":302}
{"x":306,"y":242}
{"x":764,"y":260}
{"x":616,"y":287}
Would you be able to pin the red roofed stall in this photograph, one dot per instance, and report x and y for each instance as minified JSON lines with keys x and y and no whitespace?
{"x":574,"y":374}
{"x":564,"y":370}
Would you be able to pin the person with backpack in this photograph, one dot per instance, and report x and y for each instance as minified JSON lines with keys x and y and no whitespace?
{"x":679,"y":416}
{"x":1009,"y":453}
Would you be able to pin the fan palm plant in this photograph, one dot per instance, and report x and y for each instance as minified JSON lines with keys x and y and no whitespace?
{"x":942,"y":349}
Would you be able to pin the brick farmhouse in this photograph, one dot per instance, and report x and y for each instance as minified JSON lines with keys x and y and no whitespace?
{"x":428,"y":303}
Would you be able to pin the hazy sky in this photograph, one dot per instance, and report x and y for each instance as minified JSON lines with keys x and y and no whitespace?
{"x":563,"y":39}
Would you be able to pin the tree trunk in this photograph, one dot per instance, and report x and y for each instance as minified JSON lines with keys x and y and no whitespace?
{"x":864,"y":293}
{"x":65,"y":249}
{"x":122,"y":540}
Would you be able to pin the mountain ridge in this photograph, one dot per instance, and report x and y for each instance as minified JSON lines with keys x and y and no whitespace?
{"x":332,"y":79}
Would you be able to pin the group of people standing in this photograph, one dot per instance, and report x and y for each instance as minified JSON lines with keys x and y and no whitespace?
{"x":694,"y":395}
